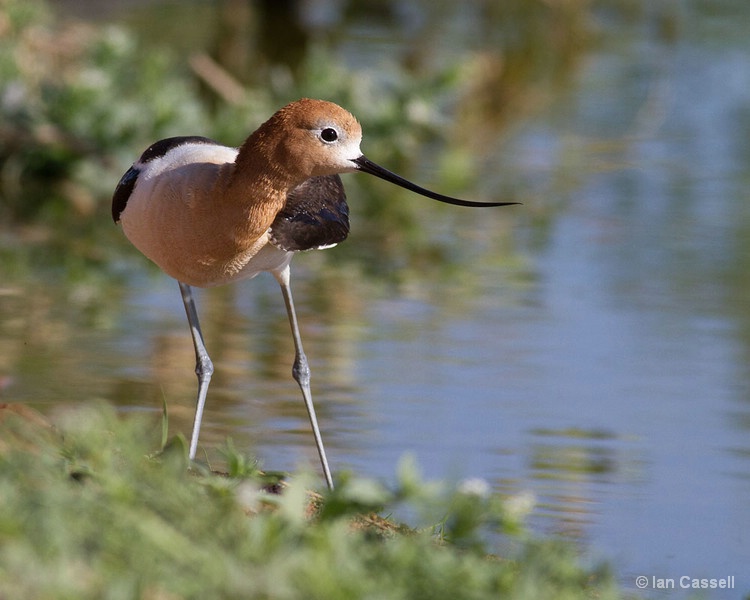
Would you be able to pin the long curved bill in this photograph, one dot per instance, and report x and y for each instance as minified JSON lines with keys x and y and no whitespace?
{"x":365,"y":165}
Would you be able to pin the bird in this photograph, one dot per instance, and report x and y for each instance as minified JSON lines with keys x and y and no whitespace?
{"x":209,"y":214}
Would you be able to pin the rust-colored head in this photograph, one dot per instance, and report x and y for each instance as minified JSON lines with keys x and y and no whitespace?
{"x":308,"y":138}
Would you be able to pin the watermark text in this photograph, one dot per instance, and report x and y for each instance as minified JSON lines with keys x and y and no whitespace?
{"x":684,"y":582}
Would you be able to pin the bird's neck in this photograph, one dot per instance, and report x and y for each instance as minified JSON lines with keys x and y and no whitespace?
{"x":258,"y":184}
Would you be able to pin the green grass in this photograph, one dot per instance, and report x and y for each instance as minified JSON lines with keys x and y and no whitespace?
{"x":89,"y":510}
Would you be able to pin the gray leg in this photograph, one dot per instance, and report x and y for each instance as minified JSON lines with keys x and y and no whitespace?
{"x":301,"y":370}
{"x":204,"y":368}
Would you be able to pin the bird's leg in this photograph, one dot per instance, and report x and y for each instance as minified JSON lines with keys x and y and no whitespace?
{"x":301,"y":370}
{"x":204,"y":368}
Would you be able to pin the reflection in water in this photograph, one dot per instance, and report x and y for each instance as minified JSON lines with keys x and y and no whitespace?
{"x":571,"y":467}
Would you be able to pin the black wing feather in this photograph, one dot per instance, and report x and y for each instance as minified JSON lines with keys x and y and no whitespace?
{"x":123,"y":191}
{"x":315,"y":215}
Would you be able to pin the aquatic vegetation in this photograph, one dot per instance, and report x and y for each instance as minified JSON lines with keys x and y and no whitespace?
{"x":89,"y":511}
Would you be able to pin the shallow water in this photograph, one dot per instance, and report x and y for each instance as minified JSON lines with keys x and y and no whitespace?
{"x":603,"y":367}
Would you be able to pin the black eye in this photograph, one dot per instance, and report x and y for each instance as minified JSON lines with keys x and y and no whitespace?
{"x":329,"y":135}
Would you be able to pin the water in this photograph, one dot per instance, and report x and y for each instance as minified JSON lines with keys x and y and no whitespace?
{"x":603,"y":368}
